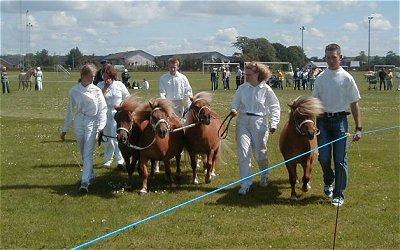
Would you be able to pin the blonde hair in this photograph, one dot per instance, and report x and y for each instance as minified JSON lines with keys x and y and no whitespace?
{"x":263,"y":71}
{"x":87,"y":69}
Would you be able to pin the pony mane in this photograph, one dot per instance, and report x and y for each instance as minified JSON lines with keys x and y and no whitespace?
{"x":130,"y":103}
{"x":203,"y":95}
{"x":307,"y":106}
{"x":143,"y":111}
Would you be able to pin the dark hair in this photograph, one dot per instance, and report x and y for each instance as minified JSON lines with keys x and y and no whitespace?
{"x":110,"y":71}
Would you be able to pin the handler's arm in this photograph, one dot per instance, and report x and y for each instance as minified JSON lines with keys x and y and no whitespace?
{"x":356,"y":112}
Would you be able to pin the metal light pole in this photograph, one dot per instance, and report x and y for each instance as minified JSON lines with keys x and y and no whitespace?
{"x":302,"y":28}
{"x":369,"y":37}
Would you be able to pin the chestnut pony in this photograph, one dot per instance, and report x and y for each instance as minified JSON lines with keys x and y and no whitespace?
{"x":156,"y":121}
{"x":299,"y":135}
{"x":127,"y":134}
{"x":203,"y":138}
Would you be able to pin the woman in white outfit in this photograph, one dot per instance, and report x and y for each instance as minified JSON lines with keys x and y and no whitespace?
{"x":256,"y":103}
{"x":87,"y":107}
{"x":114,"y":92}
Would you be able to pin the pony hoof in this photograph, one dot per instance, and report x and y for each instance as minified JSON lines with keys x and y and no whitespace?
{"x":293,"y":198}
{"x":195,"y":182}
{"x":306,"y":188}
{"x":208,"y":180}
{"x":142,"y":192}
{"x":128,"y":187}
{"x":173,"y":185}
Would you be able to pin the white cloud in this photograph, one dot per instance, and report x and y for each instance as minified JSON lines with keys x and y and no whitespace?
{"x":91,"y":31}
{"x":350,"y":27}
{"x":315,"y":32}
{"x":62,"y":20}
{"x":379,"y":22}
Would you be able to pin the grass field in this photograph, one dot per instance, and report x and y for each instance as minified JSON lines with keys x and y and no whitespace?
{"x":41,"y":207}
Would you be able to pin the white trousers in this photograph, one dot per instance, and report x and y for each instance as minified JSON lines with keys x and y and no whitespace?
{"x":85,"y":130}
{"x":251,"y":137}
{"x":111,"y":146}
{"x":39,"y":84}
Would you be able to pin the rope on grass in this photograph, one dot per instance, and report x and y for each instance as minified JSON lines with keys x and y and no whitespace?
{"x":219,"y":189}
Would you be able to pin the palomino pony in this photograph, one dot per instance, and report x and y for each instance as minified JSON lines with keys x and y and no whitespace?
{"x":158,"y":140}
{"x":299,"y":135}
{"x":24,"y":78}
{"x":203,"y":137}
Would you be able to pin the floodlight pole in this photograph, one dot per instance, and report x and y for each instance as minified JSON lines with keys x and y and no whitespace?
{"x":302,"y":28}
{"x":369,"y":38}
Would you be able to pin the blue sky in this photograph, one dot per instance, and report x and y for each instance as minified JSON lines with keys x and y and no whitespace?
{"x":173,"y":27}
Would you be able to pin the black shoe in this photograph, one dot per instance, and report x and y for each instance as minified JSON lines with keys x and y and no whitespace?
{"x":120,"y":166}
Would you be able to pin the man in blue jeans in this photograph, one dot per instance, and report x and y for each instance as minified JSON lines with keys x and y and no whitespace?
{"x":338,"y":92}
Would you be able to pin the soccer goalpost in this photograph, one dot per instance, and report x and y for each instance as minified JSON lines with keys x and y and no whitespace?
{"x":206,"y":65}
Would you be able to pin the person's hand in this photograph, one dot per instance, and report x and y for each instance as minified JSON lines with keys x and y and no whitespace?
{"x":233,"y":113}
{"x":62,"y":135}
{"x":272,"y":130}
{"x":357,"y":135}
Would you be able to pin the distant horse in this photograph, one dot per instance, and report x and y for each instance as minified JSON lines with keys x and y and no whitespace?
{"x":24,"y":78}
{"x":127,"y":134}
{"x":203,"y":138}
{"x":158,"y":140}
{"x":299,"y":136}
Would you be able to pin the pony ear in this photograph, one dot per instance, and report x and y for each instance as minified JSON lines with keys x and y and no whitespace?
{"x":191,"y":98}
{"x":118,"y":107}
{"x":151,"y":104}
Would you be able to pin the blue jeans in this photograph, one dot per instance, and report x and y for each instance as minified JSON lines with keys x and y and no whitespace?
{"x":330,"y":130}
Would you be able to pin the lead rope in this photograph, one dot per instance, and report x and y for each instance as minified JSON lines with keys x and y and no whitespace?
{"x":224,"y":133}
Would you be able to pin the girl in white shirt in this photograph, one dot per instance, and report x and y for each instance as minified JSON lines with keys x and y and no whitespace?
{"x":256,"y":103}
{"x":87,"y":108}
{"x":114,"y":92}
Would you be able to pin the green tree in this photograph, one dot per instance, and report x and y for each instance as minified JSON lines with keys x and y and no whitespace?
{"x":74,"y":58}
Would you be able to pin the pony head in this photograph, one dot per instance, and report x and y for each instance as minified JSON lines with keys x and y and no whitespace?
{"x":304,"y":111}
{"x":200,"y":108}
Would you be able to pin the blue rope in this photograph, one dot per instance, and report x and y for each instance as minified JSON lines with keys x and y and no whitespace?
{"x":221,"y":188}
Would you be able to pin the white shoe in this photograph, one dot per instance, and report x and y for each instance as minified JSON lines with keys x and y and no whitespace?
{"x":243,"y":190}
{"x":107,"y":164}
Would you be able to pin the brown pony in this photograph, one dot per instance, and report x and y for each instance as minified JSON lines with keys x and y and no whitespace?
{"x":24,"y":78}
{"x":203,"y":137}
{"x":127,"y":134}
{"x":158,"y":140}
{"x":299,"y":136}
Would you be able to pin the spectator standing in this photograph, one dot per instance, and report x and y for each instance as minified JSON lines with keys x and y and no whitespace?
{"x":239,"y":75}
{"x":114,"y":93}
{"x":389,"y":77}
{"x":4,"y":80}
{"x":297,"y":79}
{"x":99,"y":75}
{"x":125,"y":78}
{"x":214,"y":79}
{"x":227,"y":78}
{"x":38,"y":79}
{"x":259,"y":115}
{"x":382,"y":78}
{"x":88,"y":109}
{"x":338,"y":92}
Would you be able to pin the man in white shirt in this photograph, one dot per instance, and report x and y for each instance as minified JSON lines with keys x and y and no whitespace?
{"x":176,"y":87}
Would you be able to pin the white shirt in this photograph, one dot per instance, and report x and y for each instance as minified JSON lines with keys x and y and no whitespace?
{"x":146,"y":85}
{"x":114,"y":94}
{"x":336,"y":89}
{"x":260,"y":100}
{"x":88,"y":101}
{"x":175,"y":87}
{"x":39,"y":75}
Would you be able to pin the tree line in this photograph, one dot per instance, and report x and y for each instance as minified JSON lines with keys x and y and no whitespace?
{"x":251,"y":49}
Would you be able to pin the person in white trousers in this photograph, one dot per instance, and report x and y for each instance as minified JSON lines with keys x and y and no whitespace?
{"x":39,"y":79}
{"x":256,"y":103}
{"x":88,"y":109}
{"x":114,"y":92}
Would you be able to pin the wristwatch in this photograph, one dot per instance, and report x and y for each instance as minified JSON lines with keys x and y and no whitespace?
{"x":359,"y":128}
